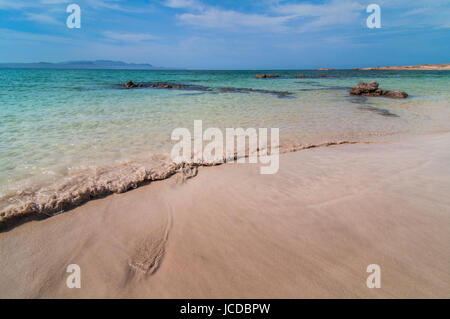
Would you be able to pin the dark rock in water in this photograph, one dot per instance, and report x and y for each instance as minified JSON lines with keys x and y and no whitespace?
{"x":364,"y":88}
{"x":131,"y":84}
{"x":396,"y":94}
{"x":264,"y":76}
{"x":371,"y":89}
{"x":280,"y":94}
{"x":300,"y":76}
{"x":159,"y":85}
{"x":379,"y":111}
{"x":163,"y":85}
{"x":190,"y":87}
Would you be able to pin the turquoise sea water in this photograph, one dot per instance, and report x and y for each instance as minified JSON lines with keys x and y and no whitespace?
{"x":63,"y":124}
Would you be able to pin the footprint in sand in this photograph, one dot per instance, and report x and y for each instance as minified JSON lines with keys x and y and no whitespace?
{"x":149,"y":253}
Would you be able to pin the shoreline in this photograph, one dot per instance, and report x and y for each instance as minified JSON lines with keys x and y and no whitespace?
{"x":308,"y":231}
{"x":38,"y":207}
{"x":42,"y":203}
{"x":424,"y":67}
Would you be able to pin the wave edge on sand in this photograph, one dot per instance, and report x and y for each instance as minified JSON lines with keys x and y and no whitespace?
{"x":75,"y":191}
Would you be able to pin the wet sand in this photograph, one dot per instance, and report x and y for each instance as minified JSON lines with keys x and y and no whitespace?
{"x":309,"y":231}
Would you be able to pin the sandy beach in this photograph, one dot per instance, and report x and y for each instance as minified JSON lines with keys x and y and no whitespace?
{"x":208,"y":158}
{"x":309,"y":231}
{"x":441,"y":66}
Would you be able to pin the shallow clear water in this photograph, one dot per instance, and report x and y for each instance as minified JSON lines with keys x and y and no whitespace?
{"x":55,"y":123}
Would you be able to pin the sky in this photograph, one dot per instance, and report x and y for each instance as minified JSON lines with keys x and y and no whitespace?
{"x":228,"y":34}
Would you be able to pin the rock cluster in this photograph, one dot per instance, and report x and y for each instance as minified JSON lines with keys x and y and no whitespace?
{"x":371,"y":89}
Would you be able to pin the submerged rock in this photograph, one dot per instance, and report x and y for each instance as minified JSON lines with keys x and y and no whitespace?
{"x":372,"y":89}
{"x":131,"y":85}
{"x":300,"y":76}
{"x":264,"y":76}
{"x":163,"y":85}
{"x":190,"y":87}
{"x":396,"y":94}
{"x":158,"y":85}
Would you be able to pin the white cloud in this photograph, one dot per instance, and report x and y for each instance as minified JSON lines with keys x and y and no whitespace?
{"x":216,"y":18}
{"x":13,"y":5}
{"x":317,"y":16}
{"x":435,"y":16}
{"x":45,"y":4}
{"x":193,"y":4}
{"x":54,"y":1}
{"x":279,"y":17}
{"x":9,"y":34}
{"x":309,"y":17}
{"x":129,"y":37}
{"x":112,"y":5}
{"x":42,"y":18}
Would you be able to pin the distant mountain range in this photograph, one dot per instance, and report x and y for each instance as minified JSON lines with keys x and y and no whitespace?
{"x":87,"y":65}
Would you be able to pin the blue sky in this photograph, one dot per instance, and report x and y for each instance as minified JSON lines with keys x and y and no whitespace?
{"x":228,"y":34}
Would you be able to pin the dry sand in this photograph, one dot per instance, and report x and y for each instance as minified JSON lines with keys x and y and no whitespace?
{"x":309,"y":231}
